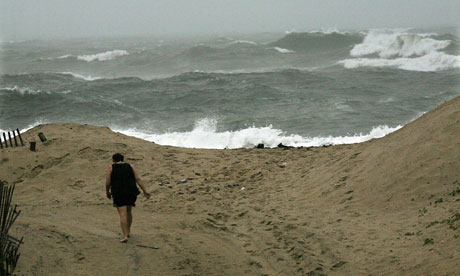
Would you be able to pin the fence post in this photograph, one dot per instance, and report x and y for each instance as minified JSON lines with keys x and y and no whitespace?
{"x":11,"y":141}
{"x":20,"y":138}
{"x":4,"y":139}
{"x":15,"y":140}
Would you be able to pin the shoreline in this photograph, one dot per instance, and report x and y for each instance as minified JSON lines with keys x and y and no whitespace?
{"x":281,"y":138}
{"x":378,"y":207}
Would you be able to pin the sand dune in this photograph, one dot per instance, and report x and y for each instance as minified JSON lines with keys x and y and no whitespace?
{"x":389,"y":206}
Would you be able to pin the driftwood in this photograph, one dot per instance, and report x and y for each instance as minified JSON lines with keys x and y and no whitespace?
{"x":9,"y":246}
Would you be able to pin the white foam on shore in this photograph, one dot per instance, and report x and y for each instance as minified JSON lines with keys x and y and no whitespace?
{"x":22,"y":130}
{"x":109,"y":55}
{"x":204,"y":135}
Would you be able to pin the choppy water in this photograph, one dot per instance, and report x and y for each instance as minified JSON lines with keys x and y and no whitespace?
{"x":299,"y":89}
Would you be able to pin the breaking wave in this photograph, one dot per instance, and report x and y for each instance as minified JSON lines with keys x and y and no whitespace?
{"x":282,"y":50}
{"x":387,"y":44}
{"x":205,"y":135}
{"x":78,"y":76}
{"x":22,"y":90}
{"x":109,"y":55}
{"x":243,"y":42}
{"x":317,"y":41}
{"x":403,"y":50}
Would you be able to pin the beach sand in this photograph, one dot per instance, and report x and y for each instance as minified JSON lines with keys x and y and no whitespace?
{"x":389,"y":206}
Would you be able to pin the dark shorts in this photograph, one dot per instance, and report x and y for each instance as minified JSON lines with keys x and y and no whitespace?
{"x":124,"y":200}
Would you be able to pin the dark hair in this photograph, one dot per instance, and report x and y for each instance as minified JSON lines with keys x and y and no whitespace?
{"x":117,"y":157}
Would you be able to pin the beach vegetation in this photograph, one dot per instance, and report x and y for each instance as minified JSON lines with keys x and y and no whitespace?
{"x":422,"y":211}
{"x":432,"y":223}
{"x":428,"y":241}
{"x":455,"y":192}
{"x":454,"y":221}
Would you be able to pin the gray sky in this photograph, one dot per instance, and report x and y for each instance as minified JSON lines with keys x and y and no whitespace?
{"x":20,"y":19}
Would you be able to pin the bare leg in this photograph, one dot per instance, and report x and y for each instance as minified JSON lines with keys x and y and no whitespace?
{"x":122,"y":211}
{"x":130,"y":218}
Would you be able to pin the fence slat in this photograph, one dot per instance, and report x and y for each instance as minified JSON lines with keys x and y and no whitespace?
{"x":9,"y":246}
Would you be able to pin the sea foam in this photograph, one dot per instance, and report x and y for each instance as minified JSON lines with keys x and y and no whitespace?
{"x":435,"y":61}
{"x":205,"y":135}
{"x":22,"y":90}
{"x":109,"y":55}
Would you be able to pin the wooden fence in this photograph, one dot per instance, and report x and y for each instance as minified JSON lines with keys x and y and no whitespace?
{"x":4,"y":143}
{"x":9,"y":245}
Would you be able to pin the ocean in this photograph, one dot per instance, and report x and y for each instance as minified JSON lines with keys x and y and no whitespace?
{"x":321,"y":87}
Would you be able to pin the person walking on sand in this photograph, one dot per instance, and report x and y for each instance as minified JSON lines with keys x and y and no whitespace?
{"x":120,"y":185}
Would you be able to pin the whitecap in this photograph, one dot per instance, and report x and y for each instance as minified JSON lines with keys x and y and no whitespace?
{"x":87,"y":78}
{"x":23,"y":90}
{"x":329,"y":31}
{"x":109,"y":55}
{"x":243,"y":42}
{"x":64,"y":56}
{"x":282,"y":50}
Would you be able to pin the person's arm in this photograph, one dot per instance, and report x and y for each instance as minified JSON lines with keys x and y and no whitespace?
{"x":139,"y":182}
{"x":107,"y":182}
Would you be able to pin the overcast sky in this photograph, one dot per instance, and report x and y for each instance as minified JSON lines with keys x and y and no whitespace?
{"x":21,"y":19}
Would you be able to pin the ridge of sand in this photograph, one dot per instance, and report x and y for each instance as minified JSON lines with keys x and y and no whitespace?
{"x":388,"y":206}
